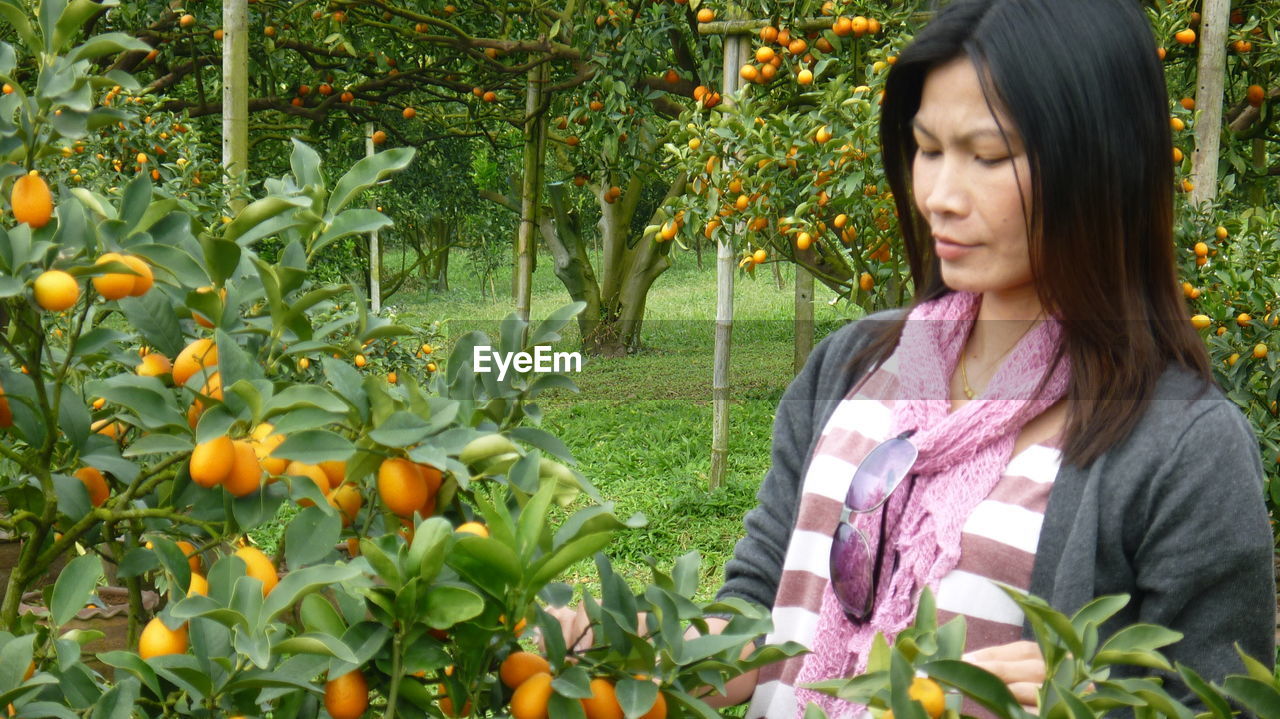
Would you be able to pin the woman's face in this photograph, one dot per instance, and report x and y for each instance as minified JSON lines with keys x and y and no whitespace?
{"x":969,"y":185}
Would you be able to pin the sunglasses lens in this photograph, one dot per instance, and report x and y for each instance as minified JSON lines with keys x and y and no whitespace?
{"x":851,"y":571}
{"x":880,"y":473}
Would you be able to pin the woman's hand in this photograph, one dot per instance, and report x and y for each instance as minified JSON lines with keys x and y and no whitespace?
{"x":1019,"y":665}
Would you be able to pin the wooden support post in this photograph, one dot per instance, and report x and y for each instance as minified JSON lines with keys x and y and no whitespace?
{"x":375,"y":253}
{"x":235,"y":100}
{"x":736,"y":52}
{"x":1211,"y":73}
{"x":535,"y":134}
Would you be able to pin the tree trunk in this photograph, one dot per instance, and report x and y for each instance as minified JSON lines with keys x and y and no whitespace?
{"x":1210,"y":77}
{"x":535,"y":133}
{"x":375,"y":253}
{"x":235,"y":99}
{"x":803,"y":319}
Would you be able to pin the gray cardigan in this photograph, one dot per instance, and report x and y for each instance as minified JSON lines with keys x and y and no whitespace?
{"x":1173,"y":516}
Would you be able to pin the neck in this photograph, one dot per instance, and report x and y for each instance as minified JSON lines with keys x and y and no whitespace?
{"x":1003,"y":319}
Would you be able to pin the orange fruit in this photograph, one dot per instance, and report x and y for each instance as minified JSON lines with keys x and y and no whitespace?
{"x":805,"y":77}
{"x":929,"y":694}
{"x":347,"y":696}
{"x":347,"y":500}
{"x":198,"y":585}
{"x":1177,"y":124}
{"x":246,"y":474}
{"x":866,"y":282}
{"x":402,"y":487}
{"x":748,"y":72}
{"x":361,"y":361}
{"x":312,"y":472}
{"x":212,"y":461}
{"x":194,"y":357}
{"x":519,"y":666}
{"x":475,"y":528}
{"x":706,"y":15}
{"x":154,"y":365}
{"x":258,"y":566}
{"x":193,"y":557}
{"x":530,"y":698}
{"x":1259,"y":351}
{"x":603,"y":702}
{"x":113,"y":285}
{"x":1244,"y":319}
{"x":159,"y":640}
{"x":803,"y":241}
{"x":187,"y":20}
{"x":658,"y":710}
{"x":94,"y":483}
{"x":759,"y":256}
{"x":1255,"y":95}
{"x":335,"y":470}
{"x":56,"y":290}
{"x":31,"y":200}
{"x":379,"y":137}
{"x":1185,"y":36}
{"x":765,"y":54}
{"x":264,"y":443}
{"x":6,"y":414}
{"x":1187,"y":103}
{"x":144,"y":280}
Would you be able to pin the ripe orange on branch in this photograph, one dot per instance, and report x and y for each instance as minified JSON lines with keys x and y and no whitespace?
{"x":31,"y":200}
{"x":1186,"y":36}
{"x":56,"y":290}
{"x":519,"y":666}
{"x":158,"y":640}
{"x":347,"y":696}
{"x":258,"y":566}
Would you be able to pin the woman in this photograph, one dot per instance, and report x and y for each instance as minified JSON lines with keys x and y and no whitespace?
{"x":1027,"y":145}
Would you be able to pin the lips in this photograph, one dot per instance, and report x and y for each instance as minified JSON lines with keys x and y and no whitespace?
{"x":949,"y":241}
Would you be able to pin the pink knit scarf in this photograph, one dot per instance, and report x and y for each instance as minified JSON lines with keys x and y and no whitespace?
{"x":962,"y":457}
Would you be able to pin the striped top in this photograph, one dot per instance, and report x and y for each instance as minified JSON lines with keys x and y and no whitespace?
{"x":998,"y":541}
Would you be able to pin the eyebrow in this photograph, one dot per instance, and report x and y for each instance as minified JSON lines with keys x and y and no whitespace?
{"x":966,"y":138}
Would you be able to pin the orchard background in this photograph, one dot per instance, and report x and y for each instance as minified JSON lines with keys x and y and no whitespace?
{"x":238,"y":302}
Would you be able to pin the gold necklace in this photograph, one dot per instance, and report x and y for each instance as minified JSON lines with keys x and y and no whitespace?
{"x":964,"y":377}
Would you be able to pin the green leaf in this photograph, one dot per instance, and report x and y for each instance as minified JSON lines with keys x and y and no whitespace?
{"x":1211,"y":697}
{"x":636,"y":696}
{"x":314,"y":446}
{"x":985,"y":688}
{"x":365,"y":173}
{"x":549,"y":567}
{"x":133,"y":664}
{"x":1099,"y":610}
{"x":158,"y":444}
{"x":157,"y":319}
{"x":487,"y":563}
{"x":401,"y":430}
{"x":427,"y":552}
{"x":222,"y":257}
{"x":302,"y":581}
{"x":449,"y":604}
{"x":348,"y":223}
{"x":316,"y":643}
{"x":381,"y":563}
{"x":548,"y":331}
{"x":318,"y":615}
{"x":118,"y":702}
{"x":111,"y":43}
{"x":136,"y":200}
{"x":1261,"y":698}
{"x":1255,"y":668}
{"x":248,"y":223}
{"x":75,"y":584}
{"x":310,"y":536}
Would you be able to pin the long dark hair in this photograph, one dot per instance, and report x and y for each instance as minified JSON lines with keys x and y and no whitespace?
{"x":1081,"y":83}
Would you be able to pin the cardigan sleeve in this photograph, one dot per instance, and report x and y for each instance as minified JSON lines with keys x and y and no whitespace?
{"x":756,"y":567}
{"x":1204,"y":565}
{"x":755,"y":570}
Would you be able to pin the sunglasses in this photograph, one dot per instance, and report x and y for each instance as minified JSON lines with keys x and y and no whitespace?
{"x":855,"y":568}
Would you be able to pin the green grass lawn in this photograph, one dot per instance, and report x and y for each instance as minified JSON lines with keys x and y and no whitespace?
{"x":641,"y":426}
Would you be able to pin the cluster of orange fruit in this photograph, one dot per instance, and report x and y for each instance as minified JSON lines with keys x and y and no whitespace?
{"x":529,"y":677}
{"x":768,"y":61}
{"x":157,"y":639}
{"x":57,"y":290}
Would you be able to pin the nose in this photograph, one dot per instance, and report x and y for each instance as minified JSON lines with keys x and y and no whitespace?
{"x":947,"y":189}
